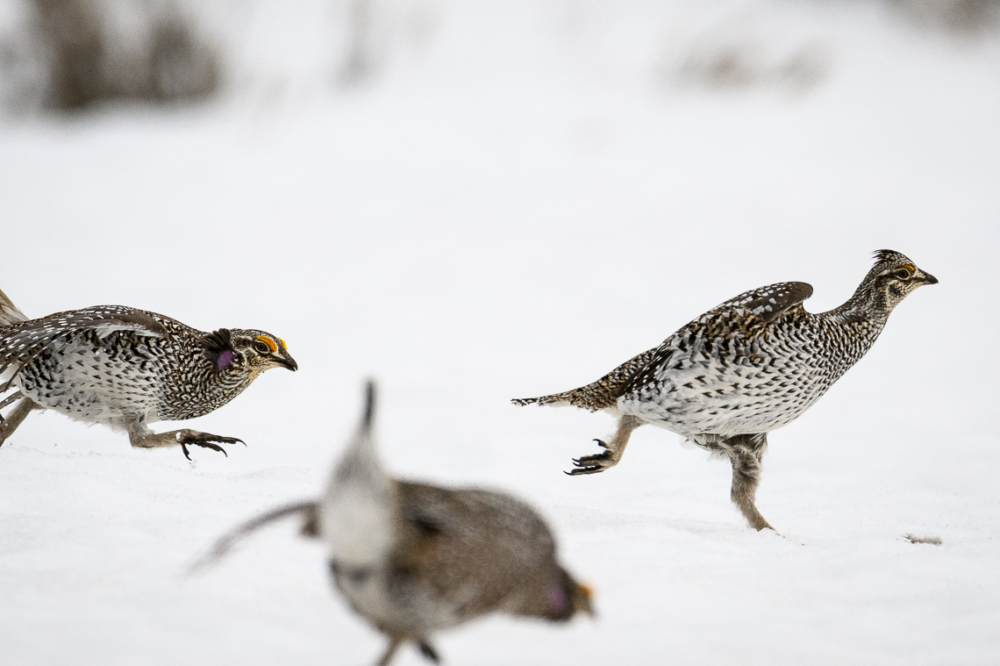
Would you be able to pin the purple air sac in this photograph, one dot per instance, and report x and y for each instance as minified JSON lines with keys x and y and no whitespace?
{"x":558,"y":599}
{"x":224,"y":358}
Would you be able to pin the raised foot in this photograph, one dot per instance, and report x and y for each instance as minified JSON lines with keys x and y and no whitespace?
{"x":595,"y":463}
{"x":428,"y":651}
{"x":204,"y":440}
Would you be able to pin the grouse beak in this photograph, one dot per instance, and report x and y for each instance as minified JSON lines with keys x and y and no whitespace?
{"x":927,"y":278}
{"x":289,"y":363}
{"x":587,"y":605}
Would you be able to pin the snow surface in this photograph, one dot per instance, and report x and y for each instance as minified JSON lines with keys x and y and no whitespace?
{"x":524,"y":196}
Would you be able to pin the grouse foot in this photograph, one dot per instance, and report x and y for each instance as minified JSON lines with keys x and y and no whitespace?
{"x":595,"y":463}
{"x":204,"y":440}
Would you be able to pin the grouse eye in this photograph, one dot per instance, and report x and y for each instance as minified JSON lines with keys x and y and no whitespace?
{"x":261,"y":347}
{"x":903,"y":274}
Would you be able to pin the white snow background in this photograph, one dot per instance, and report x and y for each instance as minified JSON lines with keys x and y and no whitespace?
{"x":524,"y":195}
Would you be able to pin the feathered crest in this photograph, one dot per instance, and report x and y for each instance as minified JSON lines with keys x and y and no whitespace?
{"x":890,"y":257}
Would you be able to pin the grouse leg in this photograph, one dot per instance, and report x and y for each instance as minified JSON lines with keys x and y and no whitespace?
{"x":390,"y":652}
{"x":142,"y":437}
{"x":612,"y":452}
{"x":746,"y":452}
{"x":13,"y":397}
{"x":9,"y":423}
{"x":428,"y":651}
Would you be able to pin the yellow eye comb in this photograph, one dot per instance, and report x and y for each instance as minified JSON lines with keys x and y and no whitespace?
{"x":269,"y":342}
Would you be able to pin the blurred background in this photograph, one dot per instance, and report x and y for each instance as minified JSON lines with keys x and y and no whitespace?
{"x":479,"y":201}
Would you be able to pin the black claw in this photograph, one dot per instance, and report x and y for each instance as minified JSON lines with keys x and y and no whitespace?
{"x":204,"y":440}
{"x":224,"y":440}
{"x":583,"y":466}
{"x":601,"y":443}
{"x":214,"y":447}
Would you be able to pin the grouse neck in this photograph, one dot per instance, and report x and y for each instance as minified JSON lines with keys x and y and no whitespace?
{"x":359,"y":513}
{"x":853,"y":312}
{"x":855,"y":326}
{"x":231,"y":381}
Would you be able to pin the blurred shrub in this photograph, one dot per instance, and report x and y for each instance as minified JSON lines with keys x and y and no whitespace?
{"x":743,"y":63}
{"x":72,"y":54}
{"x":379,"y":29}
{"x":965,"y":16}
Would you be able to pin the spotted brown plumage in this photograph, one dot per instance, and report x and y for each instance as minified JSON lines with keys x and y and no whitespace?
{"x":127,"y":368}
{"x":413,"y":558}
{"x":749,"y":366}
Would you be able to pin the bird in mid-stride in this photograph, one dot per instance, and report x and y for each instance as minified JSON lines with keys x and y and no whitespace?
{"x":413,"y":559}
{"x":745,"y":368}
{"x":127,"y":368}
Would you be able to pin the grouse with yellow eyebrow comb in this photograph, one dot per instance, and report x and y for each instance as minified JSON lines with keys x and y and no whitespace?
{"x":413,"y":558}
{"x":745,"y":368}
{"x":127,"y":368}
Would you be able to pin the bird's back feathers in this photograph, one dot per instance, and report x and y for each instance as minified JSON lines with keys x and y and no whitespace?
{"x":481,"y":550}
{"x":752,"y":311}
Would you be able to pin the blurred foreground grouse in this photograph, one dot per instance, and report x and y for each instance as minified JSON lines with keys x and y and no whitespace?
{"x":413,"y":558}
{"x":127,"y":368}
{"x":749,"y":366}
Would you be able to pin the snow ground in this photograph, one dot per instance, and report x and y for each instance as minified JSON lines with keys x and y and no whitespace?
{"x":514,"y":206}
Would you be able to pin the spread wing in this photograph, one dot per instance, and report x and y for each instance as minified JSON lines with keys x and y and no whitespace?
{"x":21,"y":342}
{"x":474,"y":546}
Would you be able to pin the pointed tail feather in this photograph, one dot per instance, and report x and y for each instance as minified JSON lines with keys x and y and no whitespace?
{"x":9,"y":314}
{"x":603,"y":393}
{"x":228,"y":541}
{"x":554,"y":399}
{"x":369,"y":414}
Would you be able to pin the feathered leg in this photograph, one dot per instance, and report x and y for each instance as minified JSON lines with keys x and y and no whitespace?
{"x":9,"y":423}
{"x":13,"y":397}
{"x":390,"y":652}
{"x":746,"y":452}
{"x":142,"y":437}
{"x":428,"y":651}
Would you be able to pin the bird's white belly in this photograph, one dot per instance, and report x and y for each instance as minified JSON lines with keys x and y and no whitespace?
{"x":406,"y":607}
{"x":88,"y":385}
{"x":726,"y":400}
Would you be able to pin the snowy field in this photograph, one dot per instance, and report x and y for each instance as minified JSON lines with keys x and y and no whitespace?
{"x":522,"y":197}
